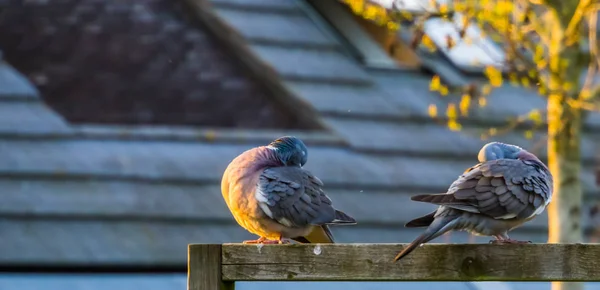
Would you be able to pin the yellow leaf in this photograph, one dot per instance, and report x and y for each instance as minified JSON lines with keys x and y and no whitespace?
{"x":542,"y":90}
{"x":494,"y":75}
{"x":568,"y":86}
{"x":514,"y":81}
{"x":210,"y":135}
{"x":486,"y":89}
{"x":427,"y":42}
{"x":535,"y":116}
{"x":356,"y":6}
{"x":585,"y":94}
{"x":465,"y":103}
{"x":541,"y":64}
{"x":406,"y":15}
{"x":525,"y":82}
{"x":496,"y":37}
{"x":444,"y":90}
{"x":435,"y":83}
{"x":453,"y":125}
{"x":444,"y":8}
{"x":532,"y":73}
{"x":369,"y":12}
{"x":529,"y":134}
{"x":460,"y":6}
{"x":451,"y":111}
{"x":482,"y":101}
{"x":432,"y":110}
{"x":493,"y":131}
{"x":504,"y":7}
{"x":393,"y":26}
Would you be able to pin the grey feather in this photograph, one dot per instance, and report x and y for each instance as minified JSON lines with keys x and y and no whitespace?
{"x":293,"y":194}
{"x":508,"y":187}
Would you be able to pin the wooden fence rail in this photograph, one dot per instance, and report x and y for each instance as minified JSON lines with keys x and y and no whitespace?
{"x":217,"y":267}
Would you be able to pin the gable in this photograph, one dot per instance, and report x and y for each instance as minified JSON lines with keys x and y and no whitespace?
{"x":140,"y":62}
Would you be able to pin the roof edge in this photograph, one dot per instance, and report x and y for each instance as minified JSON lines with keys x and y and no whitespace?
{"x":178,"y":134}
{"x":203,"y":12}
{"x":14,"y":86}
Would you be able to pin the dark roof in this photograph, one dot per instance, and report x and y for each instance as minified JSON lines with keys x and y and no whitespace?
{"x":119,"y":194}
{"x":141,"y":62}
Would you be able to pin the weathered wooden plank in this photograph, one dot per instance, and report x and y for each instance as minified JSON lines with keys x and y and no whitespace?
{"x":212,"y":135}
{"x":176,"y":161}
{"x":423,"y":138}
{"x":204,"y":268}
{"x":258,"y":26}
{"x":312,"y":64}
{"x":345,"y":99}
{"x":373,"y":233}
{"x":503,"y":103}
{"x":418,"y":171}
{"x":30,"y":117}
{"x":431,"y":262}
{"x":95,"y":199}
{"x":265,"y":5}
{"x":175,"y":134}
{"x":204,"y":163}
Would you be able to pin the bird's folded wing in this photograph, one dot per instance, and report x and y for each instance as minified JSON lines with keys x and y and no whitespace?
{"x":293,"y":197}
{"x":502,"y":189}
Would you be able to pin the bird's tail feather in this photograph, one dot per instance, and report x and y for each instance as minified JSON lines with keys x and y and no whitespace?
{"x":342,"y":218}
{"x":319,"y":234}
{"x":420,"y":222}
{"x":436,"y":229}
{"x":435,"y":198}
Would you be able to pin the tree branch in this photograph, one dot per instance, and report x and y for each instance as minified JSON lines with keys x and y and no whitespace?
{"x":577,"y":18}
{"x":596,"y":94}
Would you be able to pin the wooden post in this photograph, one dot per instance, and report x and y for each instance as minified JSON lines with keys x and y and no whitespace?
{"x":204,"y":268}
{"x":431,"y":262}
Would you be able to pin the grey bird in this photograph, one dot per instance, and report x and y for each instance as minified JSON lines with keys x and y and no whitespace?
{"x":508,"y":187}
{"x":269,"y":194}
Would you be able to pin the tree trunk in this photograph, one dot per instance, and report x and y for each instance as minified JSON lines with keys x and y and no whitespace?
{"x":564,"y":161}
{"x":564,"y":154}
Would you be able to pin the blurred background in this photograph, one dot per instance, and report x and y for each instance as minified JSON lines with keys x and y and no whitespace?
{"x":118,"y":118}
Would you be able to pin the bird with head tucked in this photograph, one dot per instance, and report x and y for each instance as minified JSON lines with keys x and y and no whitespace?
{"x":271,"y":195}
{"x":508,"y":187}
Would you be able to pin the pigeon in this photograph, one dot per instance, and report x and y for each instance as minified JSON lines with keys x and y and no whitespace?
{"x":270,"y":195}
{"x":508,"y":187}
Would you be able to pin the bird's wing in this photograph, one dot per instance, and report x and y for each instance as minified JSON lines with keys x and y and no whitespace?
{"x":502,"y":189}
{"x":293,"y":197}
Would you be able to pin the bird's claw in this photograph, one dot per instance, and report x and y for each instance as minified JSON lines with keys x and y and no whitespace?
{"x":261,"y":240}
{"x":284,"y":241}
{"x":266,"y":241}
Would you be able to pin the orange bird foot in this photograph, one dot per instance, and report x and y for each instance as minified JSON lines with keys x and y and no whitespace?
{"x":263,"y":240}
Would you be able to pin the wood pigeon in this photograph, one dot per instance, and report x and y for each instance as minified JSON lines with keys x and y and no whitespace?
{"x":271,"y":195}
{"x":509,"y":187}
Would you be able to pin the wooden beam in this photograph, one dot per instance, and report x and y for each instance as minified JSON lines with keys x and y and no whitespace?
{"x":431,"y":262}
{"x":204,"y":268}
